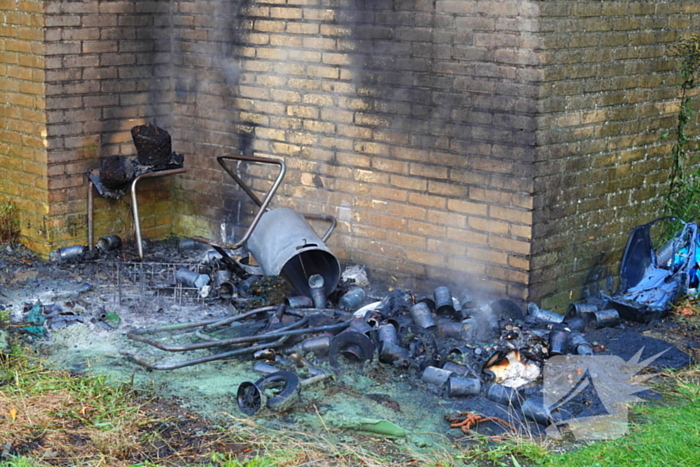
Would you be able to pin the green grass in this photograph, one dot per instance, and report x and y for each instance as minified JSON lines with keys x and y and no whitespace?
{"x":665,"y":434}
{"x":9,"y":220}
{"x":56,"y":405}
{"x":21,"y":462}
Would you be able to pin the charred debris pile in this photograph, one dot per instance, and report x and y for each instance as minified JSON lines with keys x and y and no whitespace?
{"x":486,"y":357}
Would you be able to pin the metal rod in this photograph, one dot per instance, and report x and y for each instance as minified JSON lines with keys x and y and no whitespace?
{"x":90,"y":215}
{"x":238,"y":179}
{"x":314,"y":379}
{"x":209,"y":358}
{"x":217,"y":343}
{"x":119,"y":283}
{"x":281,"y":335}
{"x":262,"y":204}
{"x":291,"y":330}
{"x":181,"y":326}
{"x":135,"y":204}
{"x":324,"y":217}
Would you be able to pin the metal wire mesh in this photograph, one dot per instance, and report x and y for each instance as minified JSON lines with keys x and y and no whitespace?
{"x":148,"y":282}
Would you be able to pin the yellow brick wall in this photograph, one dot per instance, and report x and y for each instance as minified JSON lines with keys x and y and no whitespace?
{"x":383,"y":122}
{"x":23,"y":146}
{"x":505,"y":147}
{"x":609,"y":95}
{"x":105,"y":73}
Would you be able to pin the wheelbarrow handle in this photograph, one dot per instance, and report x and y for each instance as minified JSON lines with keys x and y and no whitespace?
{"x":323,"y":217}
{"x":262,"y":205}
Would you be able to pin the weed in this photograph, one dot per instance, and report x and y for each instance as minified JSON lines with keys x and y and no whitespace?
{"x":21,"y":462}
{"x":505,"y":452}
{"x":688,"y":307}
{"x":226,"y":460}
{"x":683,"y":197}
{"x":5,"y":318}
{"x":9,"y":221}
{"x":88,"y":421}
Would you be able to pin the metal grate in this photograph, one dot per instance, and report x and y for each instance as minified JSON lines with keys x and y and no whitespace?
{"x":128,"y":283}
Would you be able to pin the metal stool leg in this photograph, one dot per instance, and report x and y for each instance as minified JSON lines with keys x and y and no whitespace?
{"x":135,"y":204}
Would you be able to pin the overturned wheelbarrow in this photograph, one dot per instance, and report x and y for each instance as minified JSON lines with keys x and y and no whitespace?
{"x":281,"y":240}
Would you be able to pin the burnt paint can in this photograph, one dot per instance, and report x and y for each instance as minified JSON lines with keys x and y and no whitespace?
{"x":444,"y":305}
{"x":463,"y":387}
{"x":420,"y":312}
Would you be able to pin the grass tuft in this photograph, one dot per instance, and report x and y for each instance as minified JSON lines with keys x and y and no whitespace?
{"x":9,"y":221}
{"x":53,"y":417}
{"x":664,"y":433}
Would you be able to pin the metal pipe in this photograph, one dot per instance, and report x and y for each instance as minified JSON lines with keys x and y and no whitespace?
{"x":138,"y":336}
{"x":443,"y":301}
{"x":109,"y":243}
{"x":90,"y":214}
{"x":304,"y":363}
{"x":579,"y":309}
{"x":281,"y":337}
{"x":545,"y":316}
{"x":456,"y":368}
{"x":503,"y":395}
{"x":579,"y":344}
{"x":352,"y":299}
{"x":391,"y":353}
{"x":204,"y":324}
{"x":67,"y":252}
{"x":435,"y":375}
{"x":135,"y":204}
{"x":262,"y":204}
{"x":316,"y":284}
{"x":534,"y":409}
{"x":267,"y":369}
{"x":300,"y":301}
{"x":603,"y":318}
{"x":449,"y":330}
{"x":575,"y":324}
{"x":262,"y":367}
{"x":323,"y":217}
{"x":209,"y":358}
{"x":208,"y":326}
{"x":227,"y":290}
{"x":314,"y":379}
{"x":420,"y":313}
{"x":291,"y":330}
{"x":191,"y":279}
{"x":388,"y":334}
{"x":318,"y":346}
{"x":235,"y":176}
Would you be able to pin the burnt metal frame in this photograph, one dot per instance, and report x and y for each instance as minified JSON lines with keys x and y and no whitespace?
{"x":134,"y":203}
{"x":262,"y":205}
{"x":280,"y":336}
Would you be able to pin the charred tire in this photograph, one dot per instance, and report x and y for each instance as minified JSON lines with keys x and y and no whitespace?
{"x":249,"y":398}
{"x":290,"y":385}
{"x":252,"y":396}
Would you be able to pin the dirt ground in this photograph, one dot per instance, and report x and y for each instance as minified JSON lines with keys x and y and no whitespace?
{"x":99,"y":312}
